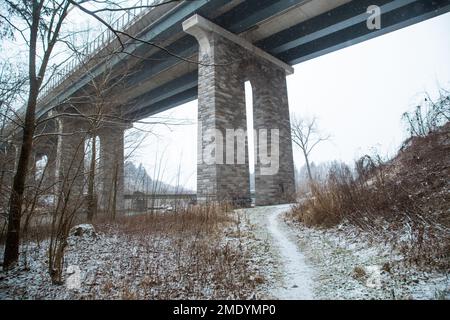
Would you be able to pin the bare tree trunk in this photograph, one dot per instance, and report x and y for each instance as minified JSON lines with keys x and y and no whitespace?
{"x":308,"y":167}
{"x":12,"y":243}
{"x":11,"y":255}
{"x":92,"y":199}
{"x":114,"y":196}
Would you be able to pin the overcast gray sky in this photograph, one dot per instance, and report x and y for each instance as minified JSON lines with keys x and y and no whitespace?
{"x":358,"y":94}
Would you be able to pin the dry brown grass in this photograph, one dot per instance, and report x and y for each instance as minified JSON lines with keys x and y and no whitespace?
{"x":184,"y":254}
{"x":207,"y":218}
{"x":405,"y":198}
{"x":192,"y":253}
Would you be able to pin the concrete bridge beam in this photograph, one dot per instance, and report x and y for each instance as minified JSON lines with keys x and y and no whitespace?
{"x":226,"y":61}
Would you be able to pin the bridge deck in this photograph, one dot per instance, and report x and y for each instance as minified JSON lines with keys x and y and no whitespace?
{"x":291,"y":30}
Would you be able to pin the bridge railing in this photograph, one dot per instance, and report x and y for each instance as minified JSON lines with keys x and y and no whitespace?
{"x":140,"y":202}
{"x":104,"y":39}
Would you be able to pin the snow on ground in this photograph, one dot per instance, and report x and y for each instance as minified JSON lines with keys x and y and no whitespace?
{"x":352,"y":265}
{"x":336,"y":263}
{"x":104,"y":263}
{"x":297,"y":282}
{"x":115,"y":265}
{"x":261,"y":255}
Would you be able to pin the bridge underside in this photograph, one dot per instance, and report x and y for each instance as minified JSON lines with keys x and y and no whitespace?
{"x":340,"y":27}
{"x":291,"y":30}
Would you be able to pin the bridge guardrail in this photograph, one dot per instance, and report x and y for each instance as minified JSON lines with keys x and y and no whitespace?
{"x":104,"y":39}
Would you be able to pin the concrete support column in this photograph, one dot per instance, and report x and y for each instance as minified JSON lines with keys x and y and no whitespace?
{"x":31,"y":177}
{"x":71,"y":152}
{"x":8,"y":163}
{"x":50,"y":178}
{"x":226,"y":61}
{"x":221,"y":112}
{"x":274,"y":181}
{"x":46,"y":146}
{"x":112,"y":168}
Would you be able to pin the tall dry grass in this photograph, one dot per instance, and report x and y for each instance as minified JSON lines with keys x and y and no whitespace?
{"x":185,"y":255}
{"x":404,"y":201}
{"x":192,"y":253}
{"x":185,"y":219}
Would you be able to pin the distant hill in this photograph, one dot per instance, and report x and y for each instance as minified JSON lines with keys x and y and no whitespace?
{"x":404,"y":201}
{"x":137,"y":179}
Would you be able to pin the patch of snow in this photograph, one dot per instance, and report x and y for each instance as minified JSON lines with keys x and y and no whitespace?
{"x":374,"y":276}
{"x":73,"y":280}
{"x":297,"y":274}
{"x":334,"y":253}
{"x":114,"y":265}
{"x":287,"y":253}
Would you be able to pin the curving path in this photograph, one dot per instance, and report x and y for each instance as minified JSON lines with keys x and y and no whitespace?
{"x":296,"y":275}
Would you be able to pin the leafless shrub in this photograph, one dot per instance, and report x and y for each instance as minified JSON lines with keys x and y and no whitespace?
{"x":193,"y":253}
{"x":199,"y":218}
{"x":185,"y":247}
{"x":428,"y":116}
{"x":408,"y":194}
{"x":69,"y":200}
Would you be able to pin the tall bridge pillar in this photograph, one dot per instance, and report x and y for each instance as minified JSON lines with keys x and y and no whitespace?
{"x":274,"y":182}
{"x":226,"y":61}
{"x":112,"y":167}
{"x":50,"y":178}
{"x":8,"y":163}
{"x":46,"y":146}
{"x":70,"y":154}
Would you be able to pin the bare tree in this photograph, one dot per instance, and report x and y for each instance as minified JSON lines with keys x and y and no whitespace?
{"x":39,"y":25}
{"x":69,"y":201}
{"x":102,"y":98}
{"x":43,"y":21}
{"x":11,"y":81}
{"x":306,"y":136}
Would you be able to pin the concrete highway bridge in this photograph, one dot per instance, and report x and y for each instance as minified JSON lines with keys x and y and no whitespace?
{"x":206,"y":50}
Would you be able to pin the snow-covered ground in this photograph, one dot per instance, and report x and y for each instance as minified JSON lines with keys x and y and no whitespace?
{"x":208,"y":264}
{"x":260,"y":254}
{"x":336,"y":263}
{"x":352,"y":265}
{"x":297,"y":275}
